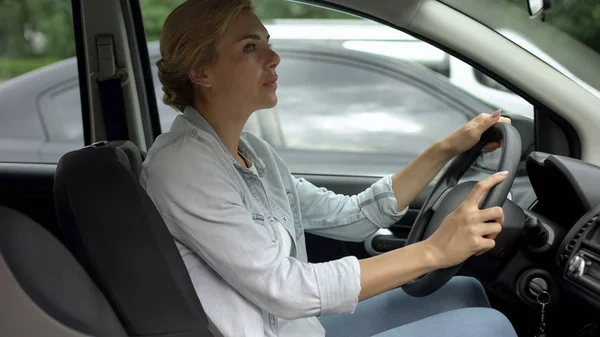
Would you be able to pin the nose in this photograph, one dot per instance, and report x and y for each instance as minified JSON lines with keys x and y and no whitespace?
{"x":274,"y":59}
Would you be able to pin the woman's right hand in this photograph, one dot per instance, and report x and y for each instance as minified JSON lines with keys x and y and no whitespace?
{"x":466,"y":231}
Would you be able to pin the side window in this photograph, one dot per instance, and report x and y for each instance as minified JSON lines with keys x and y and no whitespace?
{"x":353,"y":92}
{"x":339,"y":111}
{"x":337,"y":104}
{"x":61,"y":114}
{"x":36,"y":109}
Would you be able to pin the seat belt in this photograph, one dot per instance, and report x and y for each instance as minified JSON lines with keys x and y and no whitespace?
{"x":110,"y":86}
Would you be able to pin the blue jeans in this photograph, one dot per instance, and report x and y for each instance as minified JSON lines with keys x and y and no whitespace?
{"x":460,"y":308}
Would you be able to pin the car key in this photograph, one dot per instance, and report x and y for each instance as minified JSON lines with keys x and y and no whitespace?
{"x":543,"y":298}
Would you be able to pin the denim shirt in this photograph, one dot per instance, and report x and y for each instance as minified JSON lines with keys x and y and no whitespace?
{"x":222,"y":217}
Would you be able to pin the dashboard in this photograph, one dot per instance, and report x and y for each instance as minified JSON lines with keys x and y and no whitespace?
{"x":566,"y":216}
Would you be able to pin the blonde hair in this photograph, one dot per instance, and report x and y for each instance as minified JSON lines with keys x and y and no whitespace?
{"x":189,"y":38}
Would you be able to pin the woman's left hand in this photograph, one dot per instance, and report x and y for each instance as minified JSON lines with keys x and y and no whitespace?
{"x":465,"y":137}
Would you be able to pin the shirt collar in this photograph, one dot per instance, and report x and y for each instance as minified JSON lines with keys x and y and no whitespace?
{"x":196,"y":118}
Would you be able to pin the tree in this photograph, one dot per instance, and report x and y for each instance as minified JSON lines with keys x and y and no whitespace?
{"x":155,"y":13}
{"x":27,"y":24}
{"x":580,"y":19}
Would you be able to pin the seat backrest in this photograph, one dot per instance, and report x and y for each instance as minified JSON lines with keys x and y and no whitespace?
{"x":113,"y":228}
{"x":43,"y":290}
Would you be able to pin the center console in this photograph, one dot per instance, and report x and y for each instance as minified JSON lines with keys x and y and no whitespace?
{"x":579,"y":257}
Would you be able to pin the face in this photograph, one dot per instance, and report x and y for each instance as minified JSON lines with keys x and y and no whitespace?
{"x":244,"y":71}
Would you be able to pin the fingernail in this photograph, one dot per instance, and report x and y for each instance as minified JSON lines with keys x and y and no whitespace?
{"x":503,"y":173}
{"x":496,"y":114}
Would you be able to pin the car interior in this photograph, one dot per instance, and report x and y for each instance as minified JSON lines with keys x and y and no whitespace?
{"x":84,"y":252}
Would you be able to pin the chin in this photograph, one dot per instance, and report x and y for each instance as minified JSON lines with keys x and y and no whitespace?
{"x":268,"y":103}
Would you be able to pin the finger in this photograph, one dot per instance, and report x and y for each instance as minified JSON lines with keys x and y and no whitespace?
{"x":489,"y":147}
{"x":486,"y":245}
{"x":485,"y":230}
{"x":495,"y":214}
{"x":497,"y":144}
{"x":492,"y":236}
{"x":492,"y":145}
{"x":489,"y":120}
{"x":482,"y":187}
{"x":505,"y":120}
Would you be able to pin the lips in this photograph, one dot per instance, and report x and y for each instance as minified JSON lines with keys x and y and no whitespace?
{"x":271,"y":82}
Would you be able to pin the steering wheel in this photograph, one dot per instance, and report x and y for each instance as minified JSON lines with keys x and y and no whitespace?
{"x":447,"y":196}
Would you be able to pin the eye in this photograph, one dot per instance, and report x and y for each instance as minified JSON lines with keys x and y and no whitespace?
{"x":250,"y":47}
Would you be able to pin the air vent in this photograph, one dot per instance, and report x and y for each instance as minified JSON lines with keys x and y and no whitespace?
{"x":571,"y":245}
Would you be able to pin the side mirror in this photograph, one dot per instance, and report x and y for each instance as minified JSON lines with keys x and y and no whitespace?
{"x":537,"y":7}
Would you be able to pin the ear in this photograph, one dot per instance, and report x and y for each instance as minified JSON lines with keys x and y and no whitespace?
{"x":199,"y":76}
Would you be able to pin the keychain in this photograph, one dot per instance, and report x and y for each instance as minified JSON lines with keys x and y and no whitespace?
{"x":543,"y":299}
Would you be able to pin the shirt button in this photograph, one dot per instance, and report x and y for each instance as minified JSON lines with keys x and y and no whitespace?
{"x":271,"y":219}
{"x":285,"y":218}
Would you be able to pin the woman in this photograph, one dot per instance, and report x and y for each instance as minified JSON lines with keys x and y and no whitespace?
{"x":239,"y":216}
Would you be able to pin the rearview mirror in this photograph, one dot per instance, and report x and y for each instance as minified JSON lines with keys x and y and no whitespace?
{"x":537,"y":7}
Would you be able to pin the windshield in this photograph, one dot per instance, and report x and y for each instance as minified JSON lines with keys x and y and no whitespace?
{"x":568,"y":38}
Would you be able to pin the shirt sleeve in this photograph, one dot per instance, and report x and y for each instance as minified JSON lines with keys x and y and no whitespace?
{"x":204,"y":210}
{"x":348,"y":218}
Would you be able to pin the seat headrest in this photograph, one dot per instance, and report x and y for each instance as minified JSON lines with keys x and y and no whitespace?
{"x":132,"y":153}
{"x":52,"y":278}
{"x":115,"y":231}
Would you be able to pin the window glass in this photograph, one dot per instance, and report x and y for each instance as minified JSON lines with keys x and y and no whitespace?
{"x":61,"y":113}
{"x":337,"y":115}
{"x":337,"y":106}
{"x":34,"y":37}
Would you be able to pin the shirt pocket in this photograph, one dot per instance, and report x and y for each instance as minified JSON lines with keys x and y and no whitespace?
{"x":260,"y":220}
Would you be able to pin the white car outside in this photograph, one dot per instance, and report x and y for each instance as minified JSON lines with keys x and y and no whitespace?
{"x":372,"y":37}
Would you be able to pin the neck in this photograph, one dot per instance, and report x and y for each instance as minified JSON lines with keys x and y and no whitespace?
{"x":228,"y":124}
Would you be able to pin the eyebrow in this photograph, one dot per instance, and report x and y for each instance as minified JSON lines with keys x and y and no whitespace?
{"x":254,"y":37}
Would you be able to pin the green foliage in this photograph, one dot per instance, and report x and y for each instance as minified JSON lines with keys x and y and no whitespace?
{"x":11,"y":67}
{"x":155,"y":13}
{"x":579,"y":18}
{"x":27,"y":25}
